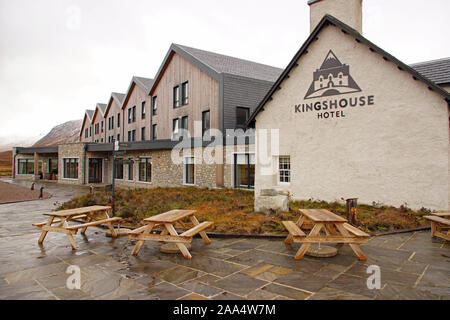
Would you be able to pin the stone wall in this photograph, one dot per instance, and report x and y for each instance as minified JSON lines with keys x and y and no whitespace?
{"x":72,"y":150}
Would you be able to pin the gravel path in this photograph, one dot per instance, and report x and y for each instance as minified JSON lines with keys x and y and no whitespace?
{"x":13,"y":193}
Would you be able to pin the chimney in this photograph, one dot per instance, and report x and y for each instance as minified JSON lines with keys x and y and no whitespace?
{"x":348,"y":11}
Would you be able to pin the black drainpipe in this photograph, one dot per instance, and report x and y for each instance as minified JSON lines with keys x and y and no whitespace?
{"x":14,"y":164}
{"x":84,"y":165}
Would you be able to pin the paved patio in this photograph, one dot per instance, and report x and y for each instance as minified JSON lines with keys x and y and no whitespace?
{"x":412,"y":265}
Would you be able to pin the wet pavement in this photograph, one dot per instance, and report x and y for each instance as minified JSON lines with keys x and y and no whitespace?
{"x":412,"y":265}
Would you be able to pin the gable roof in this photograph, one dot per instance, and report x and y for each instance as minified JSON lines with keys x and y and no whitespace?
{"x":215,"y":64}
{"x":88,"y":115}
{"x":437,"y":71}
{"x":99,"y":107}
{"x":144,"y":83}
{"x":119,"y":97}
{"x":330,"y":20}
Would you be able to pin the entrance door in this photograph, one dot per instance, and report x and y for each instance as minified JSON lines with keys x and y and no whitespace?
{"x":95,"y":170}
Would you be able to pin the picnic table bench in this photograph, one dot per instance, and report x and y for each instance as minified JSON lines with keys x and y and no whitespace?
{"x":336,"y":230}
{"x":167,"y":220}
{"x":439,"y":224}
{"x":92,"y":216}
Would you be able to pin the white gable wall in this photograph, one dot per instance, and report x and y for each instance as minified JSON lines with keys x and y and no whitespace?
{"x":393,"y":152}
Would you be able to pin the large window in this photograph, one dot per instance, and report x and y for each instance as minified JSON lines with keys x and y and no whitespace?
{"x":154,"y":132}
{"x":189,"y":170}
{"x":284,"y":169}
{"x":131,"y":135}
{"x":143,"y":110}
{"x":154,"y":105}
{"x":132,"y":114}
{"x":118,"y":120}
{"x":143,"y":133}
{"x":184,"y":93}
{"x":131,"y":170}
{"x":205,"y":121}
{"x":184,"y":124}
{"x":145,"y":169}
{"x":242,"y":115}
{"x":175,"y":127}
{"x":25,"y":166}
{"x":70,"y":168}
{"x":176,"y":96}
{"x":244,"y":170}
{"x":118,"y":170}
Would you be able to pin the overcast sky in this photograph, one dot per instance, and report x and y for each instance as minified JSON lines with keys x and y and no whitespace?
{"x":60,"y":57}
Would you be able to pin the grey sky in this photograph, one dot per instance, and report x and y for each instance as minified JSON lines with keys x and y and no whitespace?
{"x":52,"y":68}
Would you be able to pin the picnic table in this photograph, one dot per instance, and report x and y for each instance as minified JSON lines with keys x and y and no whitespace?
{"x":169,"y":234}
{"x":92,"y":216}
{"x":440,"y":223}
{"x":335,"y":229}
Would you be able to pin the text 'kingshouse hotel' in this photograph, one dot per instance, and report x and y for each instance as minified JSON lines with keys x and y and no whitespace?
{"x":345,"y":119}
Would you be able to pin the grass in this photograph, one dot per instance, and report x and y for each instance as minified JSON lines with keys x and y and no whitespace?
{"x":231,"y":210}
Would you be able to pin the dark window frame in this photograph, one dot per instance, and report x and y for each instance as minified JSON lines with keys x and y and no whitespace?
{"x":73,"y":167}
{"x":235,"y":168}
{"x":147,"y":176}
{"x":176,"y":96}
{"x":25,"y":166}
{"x":241,"y":124}
{"x":185,"y":93}
{"x":154,"y":105}
{"x":154,"y":131}
{"x":204,"y":129}
{"x":143,"y":110}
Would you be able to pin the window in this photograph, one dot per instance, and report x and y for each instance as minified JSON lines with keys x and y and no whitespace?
{"x":244,"y":170}
{"x":175,"y":127}
{"x":129,"y":136}
{"x":205,"y":121}
{"x":189,"y":171}
{"x":176,"y":96}
{"x":143,"y":133}
{"x":145,"y":169}
{"x":90,"y":131}
{"x":118,"y":120}
{"x":96,"y":129}
{"x":242,"y":115}
{"x":118,"y":169}
{"x":129,"y":115}
{"x":102,"y":126}
{"x":86,"y":132}
{"x":133,"y":114}
{"x":184,"y":93}
{"x":25,"y":166}
{"x":131,"y":169}
{"x":184,"y":124}
{"x":133,"y":135}
{"x":154,"y":132}
{"x":118,"y":137}
{"x":154,"y":106}
{"x":112,"y":122}
{"x":70,"y":168}
{"x":53,"y":165}
{"x":143,"y":110}
{"x":284,"y":169}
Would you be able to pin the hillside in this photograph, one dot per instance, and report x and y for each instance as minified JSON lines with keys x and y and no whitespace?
{"x":64,"y":133}
{"x":5,"y":163}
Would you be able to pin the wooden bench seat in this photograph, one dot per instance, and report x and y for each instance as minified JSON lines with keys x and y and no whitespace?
{"x":197,"y":229}
{"x":293,"y":229}
{"x":357,"y":232}
{"x":81,"y":216}
{"x":94,"y":223}
{"x":438,"y":224}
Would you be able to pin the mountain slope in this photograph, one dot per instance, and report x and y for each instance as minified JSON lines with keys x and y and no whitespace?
{"x":67,"y":132}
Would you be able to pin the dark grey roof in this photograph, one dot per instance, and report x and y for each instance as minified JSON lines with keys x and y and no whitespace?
{"x":90,"y":114}
{"x":118,"y":96}
{"x":102,"y":108}
{"x":437,"y":71}
{"x":144,"y":83}
{"x":226,"y":64}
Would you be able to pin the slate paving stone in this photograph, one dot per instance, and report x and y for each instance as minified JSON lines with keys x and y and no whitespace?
{"x":286,"y":291}
{"x":25,"y":291}
{"x":239,"y":284}
{"x":56,"y":281}
{"x":67,"y":294}
{"x":227,"y":296}
{"x":214,"y":266}
{"x":35,"y":273}
{"x":413,"y":267}
{"x":244,"y":245}
{"x":398,"y":292}
{"x":331,"y":271}
{"x":261,"y":294}
{"x":436,"y":276}
{"x":208,"y":279}
{"x":200,"y":288}
{"x":166,"y":291}
{"x":178,"y":274}
{"x":303,"y":281}
{"x":194,"y":296}
{"x":387,"y":275}
{"x":152,"y":268}
{"x":352,"y":284}
{"x":327,"y":293}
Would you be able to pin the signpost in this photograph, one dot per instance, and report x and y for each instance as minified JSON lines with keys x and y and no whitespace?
{"x":116,"y":152}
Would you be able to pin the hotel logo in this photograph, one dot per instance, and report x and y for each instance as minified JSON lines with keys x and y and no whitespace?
{"x":332,"y":78}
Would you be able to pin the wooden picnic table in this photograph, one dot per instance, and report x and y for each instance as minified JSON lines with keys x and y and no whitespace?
{"x":335,"y":229}
{"x":92,"y":216}
{"x":169,"y":233}
{"x":439,"y":224}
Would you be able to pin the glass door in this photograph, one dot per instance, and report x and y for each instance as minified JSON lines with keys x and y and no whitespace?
{"x":244,"y":170}
{"x":95,"y":170}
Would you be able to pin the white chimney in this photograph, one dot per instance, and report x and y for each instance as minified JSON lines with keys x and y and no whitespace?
{"x":348,"y":11}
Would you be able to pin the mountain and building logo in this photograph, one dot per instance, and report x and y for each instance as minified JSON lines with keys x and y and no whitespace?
{"x":332,"y":78}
